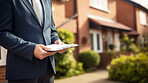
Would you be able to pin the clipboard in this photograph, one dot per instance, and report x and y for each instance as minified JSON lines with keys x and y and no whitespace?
{"x":57,"y":47}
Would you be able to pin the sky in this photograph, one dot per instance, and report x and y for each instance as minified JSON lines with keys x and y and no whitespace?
{"x":142,"y":2}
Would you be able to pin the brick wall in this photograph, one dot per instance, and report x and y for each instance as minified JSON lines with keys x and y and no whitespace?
{"x":2,"y":74}
{"x":61,"y":13}
{"x":106,"y":59}
{"x":141,"y":29}
{"x":126,"y":13}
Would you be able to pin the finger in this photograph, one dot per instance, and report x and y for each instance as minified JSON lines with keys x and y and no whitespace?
{"x":64,"y":50}
{"x":62,"y":43}
{"x":46,"y":53}
{"x":58,"y":42}
{"x":53,"y":52}
{"x":45,"y":47}
{"x":61,"y":51}
{"x":55,"y":42}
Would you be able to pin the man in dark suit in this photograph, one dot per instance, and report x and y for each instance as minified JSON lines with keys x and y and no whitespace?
{"x":26,"y":27}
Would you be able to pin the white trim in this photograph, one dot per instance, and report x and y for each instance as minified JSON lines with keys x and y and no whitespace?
{"x":3,"y":56}
{"x":95,"y":41}
{"x":100,"y":4}
{"x":100,"y":18}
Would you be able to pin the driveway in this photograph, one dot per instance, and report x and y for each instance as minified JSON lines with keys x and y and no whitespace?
{"x":99,"y":76}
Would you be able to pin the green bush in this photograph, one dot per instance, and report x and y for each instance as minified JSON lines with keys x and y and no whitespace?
{"x":89,"y":59}
{"x":127,"y":45}
{"x":66,"y":36}
{"x":66,"y":65}
{"x":111,"y":53}
{"x":131,"y":69}
{"x":143,"y":43}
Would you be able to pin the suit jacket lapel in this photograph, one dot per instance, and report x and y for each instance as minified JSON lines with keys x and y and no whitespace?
{"x":44,"y":11}
{"x":28,"y":5}
{"x":47,"y":13}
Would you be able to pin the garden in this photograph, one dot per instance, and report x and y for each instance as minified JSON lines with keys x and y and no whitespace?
{"x":67,"y":65}
{"x":128,"y":65}
{"x":131,"y":68}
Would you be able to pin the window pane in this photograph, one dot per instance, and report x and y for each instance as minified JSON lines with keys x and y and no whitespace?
{"x":92,"y":44}
{"x":105,"y":4}
{"x":98,"y":41}
{"x":92,"y":3}
{"x":117,"y":41}
{"x":143,"y":19}
{"x":99,"y":4}
{"x":109,"y":38}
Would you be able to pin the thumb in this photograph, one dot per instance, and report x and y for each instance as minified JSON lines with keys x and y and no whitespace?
{"x":57,"y":42}
{"x":45,"y":47}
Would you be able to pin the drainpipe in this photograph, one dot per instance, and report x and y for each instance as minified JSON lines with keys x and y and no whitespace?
{"x":77,"y":23}
{"x":75,"y":16}
{"x":135,"y":23}
{"x":135,"y":20}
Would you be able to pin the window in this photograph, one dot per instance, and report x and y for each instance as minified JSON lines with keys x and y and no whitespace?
{"x":109,"y":40}
{"x":117,"y":41}
{"x":96,"y":41}
{"x":2,"y":56}
{"x":91,"y":38}
{"x":143,"y":18}
{"x":99,"y":4}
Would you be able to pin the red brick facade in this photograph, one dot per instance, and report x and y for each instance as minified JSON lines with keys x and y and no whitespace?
{"x":140,"y":28}
{"x":2,"y":74}
{"x":128,"y":14}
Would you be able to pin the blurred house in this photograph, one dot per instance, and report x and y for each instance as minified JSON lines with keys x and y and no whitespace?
{"x":134,"y":14}
{"x":97,"y":24}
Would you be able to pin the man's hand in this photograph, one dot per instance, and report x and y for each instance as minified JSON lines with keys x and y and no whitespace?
{"x":40,"y":53}
{"x":62,"y":51}
{"x":60,"y":42}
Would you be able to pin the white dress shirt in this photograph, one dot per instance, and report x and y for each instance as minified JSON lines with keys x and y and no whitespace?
{"x":40,"y":8}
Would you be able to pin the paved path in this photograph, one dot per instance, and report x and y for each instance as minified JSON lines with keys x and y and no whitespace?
{"x":99,"y":76}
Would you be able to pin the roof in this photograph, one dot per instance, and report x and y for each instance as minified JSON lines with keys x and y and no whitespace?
{"x":132,"y":33}
{"x":142,"y":4}
{"x":110,"y":25}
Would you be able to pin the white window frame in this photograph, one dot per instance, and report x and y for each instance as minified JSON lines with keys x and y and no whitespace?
{"x":117,"y":41}
{"x":95,"y":48}
{"x":143,"y":18}
{"x":100,"y":4}
{"x":3,"y":56}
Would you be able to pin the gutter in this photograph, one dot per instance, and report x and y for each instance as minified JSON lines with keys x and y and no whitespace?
{"x":137,"y":5}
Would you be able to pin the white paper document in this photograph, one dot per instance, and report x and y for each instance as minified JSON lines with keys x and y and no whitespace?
{"x":56,"y":47}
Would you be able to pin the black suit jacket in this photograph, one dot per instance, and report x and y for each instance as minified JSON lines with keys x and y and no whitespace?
{"x":20,"y":31}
